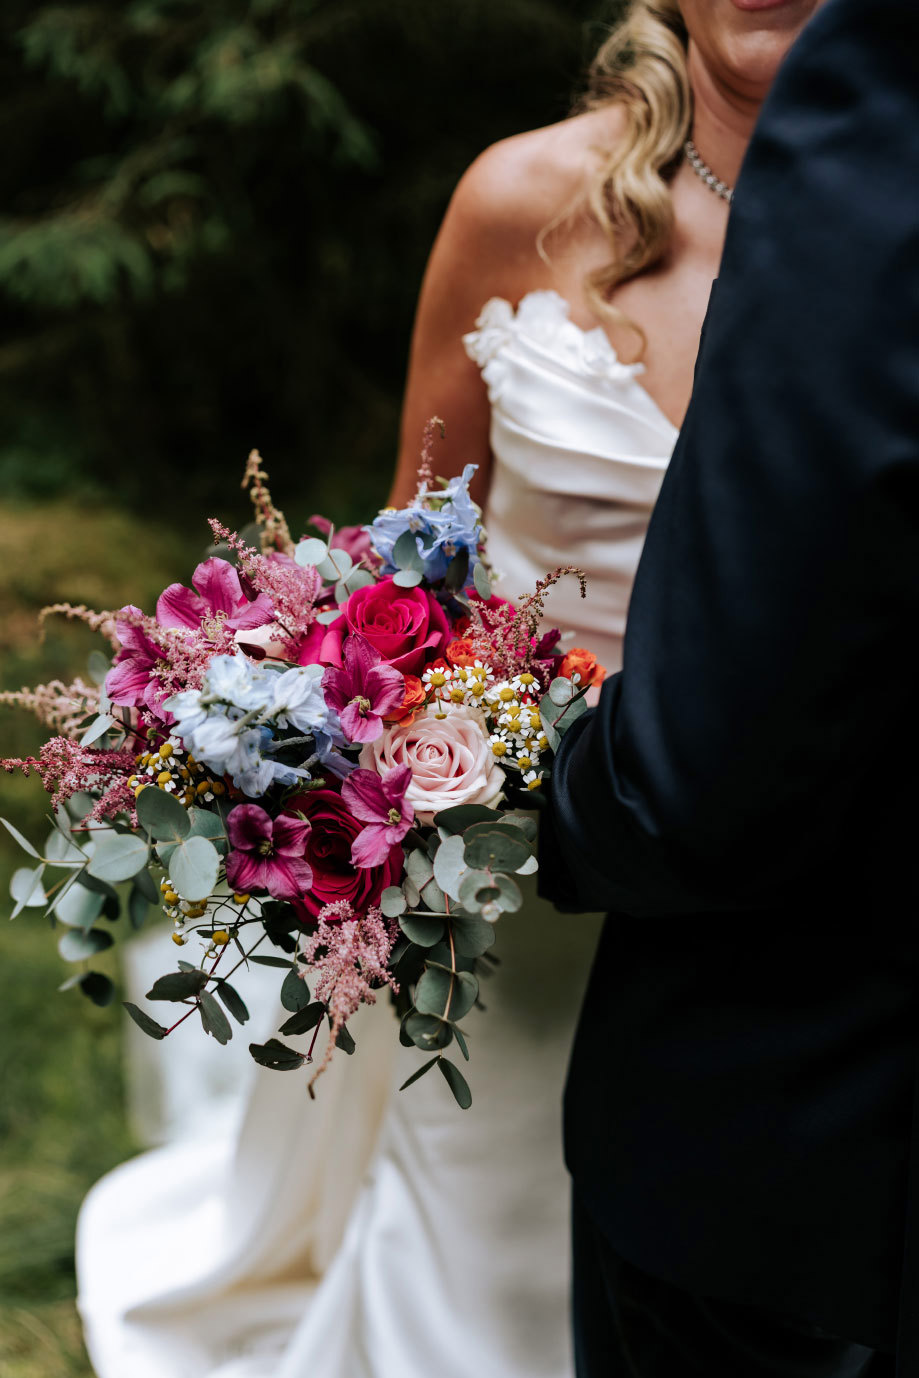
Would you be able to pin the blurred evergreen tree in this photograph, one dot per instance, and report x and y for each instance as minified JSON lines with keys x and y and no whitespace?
{"x":214,"y":215}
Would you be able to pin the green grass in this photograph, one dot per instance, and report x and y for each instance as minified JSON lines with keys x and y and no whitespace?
{"x":62,"y":1122}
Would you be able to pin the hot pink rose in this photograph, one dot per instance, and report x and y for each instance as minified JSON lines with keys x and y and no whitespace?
{"x":407,"y":626}
{"x":333,"y":830}
{"x":450,"y":759}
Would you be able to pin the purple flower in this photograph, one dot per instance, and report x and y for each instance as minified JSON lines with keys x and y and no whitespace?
{"x":363,"y":691}
{"x":219,"y":593}
{"x":131,"y":682}
{"x":378,"y":801}
{"x":268,"y":853}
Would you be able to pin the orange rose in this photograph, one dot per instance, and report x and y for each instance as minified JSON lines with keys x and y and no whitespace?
{"x":462,"y":652}
{"x":583,"y":663}
{"x":414,"y":699}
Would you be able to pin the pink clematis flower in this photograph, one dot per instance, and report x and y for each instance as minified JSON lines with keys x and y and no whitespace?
{"x":378,"y":801}
{"x":268,"y":853}
{"x":363,"y":691}
{"x":217,"y":592}
{"x":131,"y":682}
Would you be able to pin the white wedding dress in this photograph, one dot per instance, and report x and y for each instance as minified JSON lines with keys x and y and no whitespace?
{"x":370,"y":1233}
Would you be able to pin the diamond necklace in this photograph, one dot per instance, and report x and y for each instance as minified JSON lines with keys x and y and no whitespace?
{"x":705,"y":174}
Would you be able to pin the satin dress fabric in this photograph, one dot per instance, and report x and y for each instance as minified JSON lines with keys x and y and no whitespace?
{"x":372,"y":1232}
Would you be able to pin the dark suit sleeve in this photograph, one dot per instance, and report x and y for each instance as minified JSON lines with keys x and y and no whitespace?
{"x":768,"y":664}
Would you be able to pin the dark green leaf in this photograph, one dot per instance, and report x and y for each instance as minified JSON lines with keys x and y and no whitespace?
{"x":271,"y":962}
{"x":496,"y":849}
{"x":416,"y":1076}
{"x":527,"y":823}
{"x":97,"y":886}
{"x":147,"y":886}
{"x":303,"y":1020}
{"x":276,"y":1055}
{"x":421,"y":929}
{"x":344,"y":1041}
{"x":449,"y":995}
{"x":482,"y":585}
{"x":97,"y":987}
{"x":405,"y":553}
{"x":295,"y":993}
{"x":143,"y":1021}
{"x":17,"y":836}
{"x":427,"y":1031}
{"x":233,"y":1001}
{"x":178,"y":985}
{"x":461,"y":1042}
{"x":456,"y":1082}
{"x":458,"y":570}
{"x":213,"y":1018}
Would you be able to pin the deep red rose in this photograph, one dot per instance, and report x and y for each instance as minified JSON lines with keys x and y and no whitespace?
{"x":328,"y":852}
{"x":407,"y":626}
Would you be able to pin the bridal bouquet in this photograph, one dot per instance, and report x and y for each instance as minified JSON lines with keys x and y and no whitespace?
{"x":323,"y":757}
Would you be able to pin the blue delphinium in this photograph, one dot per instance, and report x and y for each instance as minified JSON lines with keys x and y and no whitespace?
{"x":450,"y":524}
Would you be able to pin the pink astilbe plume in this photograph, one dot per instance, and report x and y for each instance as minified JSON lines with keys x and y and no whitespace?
{"x":153,"y":662}
{"x":291,"y":589}
{"x":350,"y":954}
{"x":273,"y":528}
{"x":63,"y":707}
{"x":102,"y":622}
{"x":65,"y":769}
{"x":510,"y":639}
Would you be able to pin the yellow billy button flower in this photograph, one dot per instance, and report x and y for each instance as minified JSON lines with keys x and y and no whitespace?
{"x":220,"y":938}
{"x":166,"y":751}
{"x":499,"y":748}
{"x":240,"y":898}
{"x":179,"y":940}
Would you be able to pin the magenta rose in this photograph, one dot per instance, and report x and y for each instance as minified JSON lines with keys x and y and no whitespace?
{"x":407,"y":626}
{"x":328,"y":851}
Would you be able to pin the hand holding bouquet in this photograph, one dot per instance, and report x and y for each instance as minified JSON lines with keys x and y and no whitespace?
{"x":324,"y":756}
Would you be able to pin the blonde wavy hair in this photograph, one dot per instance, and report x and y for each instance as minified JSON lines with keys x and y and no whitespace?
{"x":641,"y":68}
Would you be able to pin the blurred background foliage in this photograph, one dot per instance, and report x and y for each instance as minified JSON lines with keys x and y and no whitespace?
{"x":214,"y":218}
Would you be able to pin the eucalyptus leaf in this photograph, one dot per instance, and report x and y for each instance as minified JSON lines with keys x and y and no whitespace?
{"x":561,"y":691}
{"x":98,"y":666}
{"x":423,"y":929}
{"x":416,"y":1076}
{"x":472,"y":936}
{"x":203,"y":823}
{"x":303,"y":1020}
{"x":78,"y":945}
{"x":161,"y":815}
{"x":143,"y":1021}
{"x":509,"y":898}
{"x":17,"y":836}
{"x":97,"y":988}
{"x":411,"y":892}
{"x":454,"y":1077}
{"x":524,"y":821}
{"x":97,"y":729}
{"x":145,"y":883}
{"x":461,"y":1042}
{"x":359,"y":579}
{"x":276,"y":1055}
{"x":392,"y":902}
{"x":449,"y":995}
{"x":79,"y":907}
{"x":137,"y":907}
{"x":547,"y":716}
{"x":482,"y":585}
{"x":213,"y":1019}
{"x":310,"y":551}
{"x":336,"y":565}
{"x":325,"y":617}
{"x":27,"y":889}
{"x":405,"y":553}
{"x":295,"y":994}
{"x":529,"y":867}
{"x":427,"y":1031}
{"x":193,"y":868}
{"x":419,"y":868}
{"x":463,"y":816}
{"x":495,"y":849}
{"x":344,"y":1042}
{"x":434,"y":897}
{"x":574,"y":710}
{"x":407,"y":578}
{"x":270,"y":961}
{"x":450,"y":865}
{"x":477,"y":888}
{"x":178,"y":985}
{"x":99,"y":887}
{"x":458,"y":570}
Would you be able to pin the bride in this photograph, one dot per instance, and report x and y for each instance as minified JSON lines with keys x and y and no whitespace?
{"x":373,"y":1233}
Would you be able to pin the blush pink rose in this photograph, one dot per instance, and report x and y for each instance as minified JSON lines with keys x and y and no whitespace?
{"x":450,"y":759}
{"x":407,"y":626}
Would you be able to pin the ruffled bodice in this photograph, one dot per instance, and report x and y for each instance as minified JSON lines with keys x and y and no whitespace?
{"x":579,"y":452}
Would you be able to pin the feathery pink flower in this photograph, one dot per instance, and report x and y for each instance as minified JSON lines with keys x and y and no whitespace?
{"x":363,"y":691}
{"x":267,"y":853}
{"x":379,"y":801}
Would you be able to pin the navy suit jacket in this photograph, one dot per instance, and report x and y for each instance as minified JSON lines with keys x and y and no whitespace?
{"x":744,"y":798}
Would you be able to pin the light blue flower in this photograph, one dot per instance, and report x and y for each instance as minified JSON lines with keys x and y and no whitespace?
{"x":450,"y":524}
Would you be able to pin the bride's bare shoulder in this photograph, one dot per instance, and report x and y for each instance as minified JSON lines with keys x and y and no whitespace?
{"x":518,"y":185}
